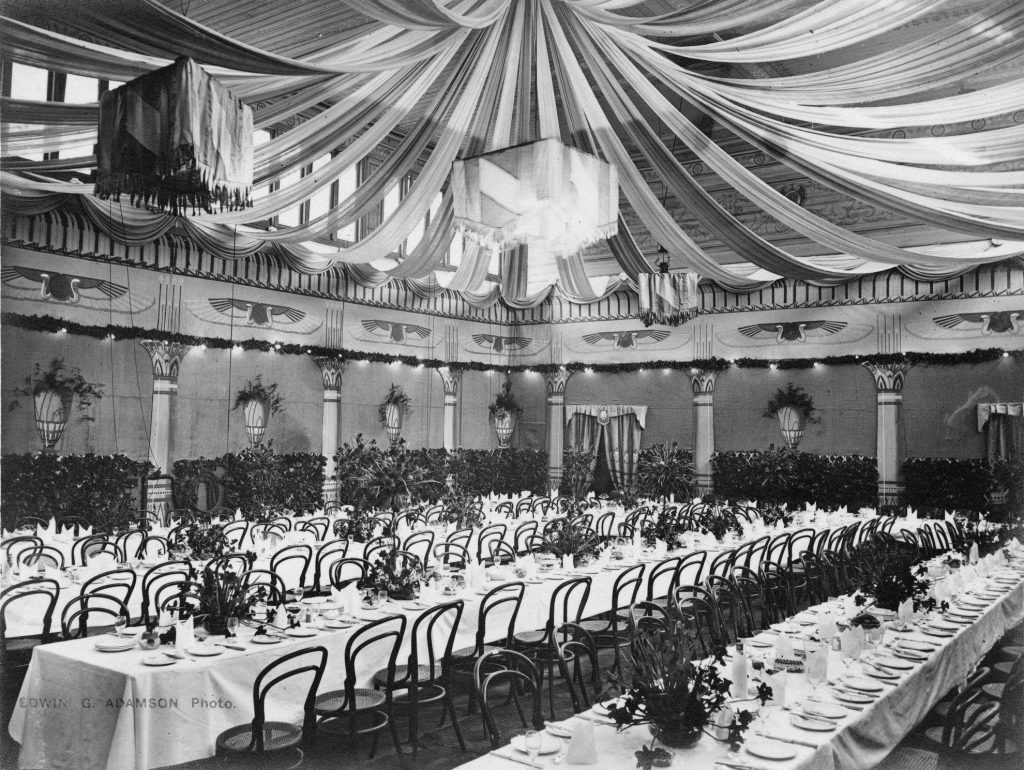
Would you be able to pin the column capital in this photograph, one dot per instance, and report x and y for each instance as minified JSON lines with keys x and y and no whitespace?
{"x":451,"y":379}
{"x":166,"y":358}
{"x":555,"y":382}
{"x":702,"y":381}
{"x":331,"y":369}
{"x":889,"y":378}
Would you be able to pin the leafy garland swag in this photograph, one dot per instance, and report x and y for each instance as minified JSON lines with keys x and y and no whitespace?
{"x":57,"y":325}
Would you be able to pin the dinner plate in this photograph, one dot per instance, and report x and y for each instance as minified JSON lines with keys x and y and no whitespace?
{"x":943,"y":625}
{"x":104,"y":645}
{"x":548,"y":744}
{"x":940,"y":632}
{"x":862,"y":684}
{"x":561,"y":729}
{"x":900,"y":626}
{"x":854,"y":699}
{"x":973,"y":604}
{"x":766,"y":749}
{"x":302,"y":632}
{"x":890,"y":662}
{"x":883,"y":676}
{"x":788,"y":628}
{"x":534,"y":581}
{"x":805,"y":618}
{"x":266,"y":639}
{"x":920,"y":645}
{"x":822,"y":709}
{"x":204,"y":650}
{"x":758,"y":641}
{"x":909,"y":654}
{"x":811,"y":724}
{"x":158,"y":660}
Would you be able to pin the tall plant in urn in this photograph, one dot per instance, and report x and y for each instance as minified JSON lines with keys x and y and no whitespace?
{"x":392,"y":412}
{"x":53,"y":391}
{"x":793,"y":408}
{"x":258,"y":402}
{"x":504,"y":412}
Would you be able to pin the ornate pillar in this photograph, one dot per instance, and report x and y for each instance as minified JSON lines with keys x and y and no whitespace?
{"x":555,"y":383}
{"x":703,"y":384}
{"x":452,"y":381}
{"x":166,"y":358}
{"x":331,"y":369}
{"x":889,"y":379}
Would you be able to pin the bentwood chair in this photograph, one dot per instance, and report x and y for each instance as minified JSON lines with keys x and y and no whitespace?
{"x":351,"y":569}
{"x":697,"y":608}
{"x":661,"y":578}
{"x":521,"y":675}
{"x":420,"y":543}
{"x":14,"y":548}
{"x":523,"y":535}
{"x":378,"y":546}
{"x":76,"y":617}
{"x":608,"y":631}
{"x":46,"y":555}
{"x":357,"y":710}
{"x":235,"y":533}
{"x":271,"y":584}
{"x":489,"y":534}
{"x":577,"y":646}
{"x":327,"y":554}
{"x":293,"y":558}
{"x":117,"y":583}
{"x":261,"y":736}
{"x":230,"y":562}
{"x":175,"y":571}
{"x":427,"y":678}
{"x":16,"y":652}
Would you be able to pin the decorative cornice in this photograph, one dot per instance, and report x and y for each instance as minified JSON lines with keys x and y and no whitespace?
{"x":166,"y":358}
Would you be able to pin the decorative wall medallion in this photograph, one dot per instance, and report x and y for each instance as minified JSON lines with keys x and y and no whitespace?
{"x":53,"y":287}
{"x":627,"y":340}
{"x":792,"y":331}
{"x":228,"y":311}
{"x":997,"y":322}
{"x":397,"y":331}
{"x":499,"y":343}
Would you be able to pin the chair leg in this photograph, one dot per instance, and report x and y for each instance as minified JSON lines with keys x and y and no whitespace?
{"x":449,"y":705}
{"x":394,"y":733}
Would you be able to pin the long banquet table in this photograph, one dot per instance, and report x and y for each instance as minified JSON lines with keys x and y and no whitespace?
{"x":860,"y":740}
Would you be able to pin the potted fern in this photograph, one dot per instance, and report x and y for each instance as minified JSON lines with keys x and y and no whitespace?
{"x":504,"y":412}
{"x":392,"y":412}
{"x":258,"y":402}
{"x":794,"y":408}
{"x":53,"y":390}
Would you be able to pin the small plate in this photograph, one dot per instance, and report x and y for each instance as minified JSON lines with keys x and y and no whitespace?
{"x":302,"y":633}
{"x":534,"y":581}
{"x":862,"y":684}
{"x":909,"y":654}
{"x":338,"y":624}
{"x":918,"y":644}
{"x":788,"y":628}
{"x":853,"y":698}
{"x":265,"y":639}
{"x":890,"y":662}
{"x":884,"y":676}
{"x":766,"y":749}
{"x":828,"y":710}
{"x":158,"y":660}
{"x":929,"y":631}
{"x":762,"y":642}
{"x":811,"y":724}
{"x":560,"y":729}
{"x":548,"y":744}
{"x":900,"y":626}
{"x":204,"y":650}
{"x":104,"y":645}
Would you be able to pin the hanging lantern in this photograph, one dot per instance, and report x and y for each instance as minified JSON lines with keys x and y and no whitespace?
{"x":669,"y":299}
{"x":175,"y":139}
{"x":544,"y":195}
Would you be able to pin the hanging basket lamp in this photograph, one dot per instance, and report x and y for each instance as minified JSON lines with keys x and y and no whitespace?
{"x":176,"y":140}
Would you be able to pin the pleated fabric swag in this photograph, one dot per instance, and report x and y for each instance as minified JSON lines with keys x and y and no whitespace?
{"x":175,"y":139}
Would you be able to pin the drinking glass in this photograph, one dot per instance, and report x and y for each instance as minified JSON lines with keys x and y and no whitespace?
{"x":816,"y":668}
{"x":382,"y":598}
{"x":119,"y":623}
{"x":846,"y":649}
{"x":532,"y":741}
{"x":232,"y":627}
{"x":201,"y":633}
{"x":298,"y":592}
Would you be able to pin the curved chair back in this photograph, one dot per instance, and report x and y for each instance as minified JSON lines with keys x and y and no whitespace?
{"x":294,"y":559}
{"x":29,"y":589}
{"x":520,"y":673}
{"x":315,"y":662}
{"x":420,"y":544}
{"x":345,"y":572}
{"x":74,"y":618}
{"x":328,"y":553}
{"x":117,"y":583}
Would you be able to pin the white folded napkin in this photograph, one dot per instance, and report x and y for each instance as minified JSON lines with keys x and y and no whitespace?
{"x":568,"y":562}
{"x":905,"y":612}
{"x":784,"y":647}
{"x":185,"y":635}
{"x":973,"y":557}
{"x":850,"y":641}
{"x":582,"y":750}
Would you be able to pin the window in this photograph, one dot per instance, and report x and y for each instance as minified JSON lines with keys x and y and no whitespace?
{"x":81,"y":90}
{"x":28,"y":82}
{"x":346,"y":186}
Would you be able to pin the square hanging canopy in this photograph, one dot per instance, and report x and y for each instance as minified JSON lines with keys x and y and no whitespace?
{"x":667,"y":298}
{"x":550,"y":197}
{"x":175,"y":139}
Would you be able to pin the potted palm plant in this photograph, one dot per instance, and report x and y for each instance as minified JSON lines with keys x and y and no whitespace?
{"x":504,"y":412}
{"x":53,"y":390}
{"x":258,"y":402}
{"x":392,"y":412}
{"x":794,"y":408}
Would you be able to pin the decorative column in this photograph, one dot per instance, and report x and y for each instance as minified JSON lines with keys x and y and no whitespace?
{"x":555,"y":383}
{"x":889,"y":379}
{"x":452,"y":381}
{"x":703,"y":384}
{"x":331,"y":369}
{"x":166,"y":358}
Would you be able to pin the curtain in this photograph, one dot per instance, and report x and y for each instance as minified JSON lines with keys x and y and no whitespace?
{"x":622,"y":448}
{"x":586,"y":434}
{"x":1006,"y":442}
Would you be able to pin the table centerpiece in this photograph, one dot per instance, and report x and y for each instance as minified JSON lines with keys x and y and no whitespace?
{"x":397,"y":573}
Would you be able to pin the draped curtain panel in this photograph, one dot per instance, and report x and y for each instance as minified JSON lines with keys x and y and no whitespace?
{"x":586,"y":434}
{"x":622,"y":448}
{"x":1005,"y":441}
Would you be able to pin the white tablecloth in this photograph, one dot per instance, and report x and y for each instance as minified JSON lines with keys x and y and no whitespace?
{"x":861,"y":740}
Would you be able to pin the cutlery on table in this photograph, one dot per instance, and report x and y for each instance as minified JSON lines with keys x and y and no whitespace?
{"x":815,"y":718}
{"x":520,"y":760}
{"x":795,"y":741}
{"x":739,"y":765}
{"x":596,"y":719}
{"x":230,"y":646}
{"x":849,"y":706}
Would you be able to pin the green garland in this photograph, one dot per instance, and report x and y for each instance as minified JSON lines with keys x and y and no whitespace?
{"x":58,"y":325}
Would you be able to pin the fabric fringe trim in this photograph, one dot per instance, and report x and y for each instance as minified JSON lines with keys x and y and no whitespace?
{"x":190,"y":190}
{"x":675,"y":318}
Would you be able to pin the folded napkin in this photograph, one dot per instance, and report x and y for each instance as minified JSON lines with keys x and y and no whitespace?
{"x":185,"y":635}
{"x":851,"y":641}
{"x":827,"y":626}
{"x":867,"y":512}
{"x":238,"y":514}
{"x":784,"y":647}
{"x":974,"y":553}
{"x":102,"y":562}
{"x":905,"y":612}
{"x":582,"y":750}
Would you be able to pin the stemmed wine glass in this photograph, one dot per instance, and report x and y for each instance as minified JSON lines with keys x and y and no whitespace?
{"x":532,"y":742}
{"x":119,"y":623}
{"x":232,"y":626}
{"x":298,"y":592}
{"x":816,"y":669}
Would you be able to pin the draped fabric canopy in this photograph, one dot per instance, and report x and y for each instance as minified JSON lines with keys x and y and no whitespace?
{"x":421,"y":84}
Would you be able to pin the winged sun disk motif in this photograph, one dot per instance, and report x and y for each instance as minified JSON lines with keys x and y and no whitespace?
{"x":791,"y":331}
{"x":999,"y":322}
{"x":626,"y":340}
{"x":61,"y":287}
{"x":396,"y":331}
{"x":257,"y":313}
{"x":499,"y":343}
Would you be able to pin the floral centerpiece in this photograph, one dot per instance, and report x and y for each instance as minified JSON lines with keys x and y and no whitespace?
{"x":566,"y":538}
{"x":222,"y":596}
{"x":664,"y":470}
{"x":205,"y":541}
{"x":718,"y":520}
{"x":398,"y":575}
{"x":668,"y":527}
{"x":358,"y":525}
{"x":893,"y":581}
{"x":673,"y":694}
